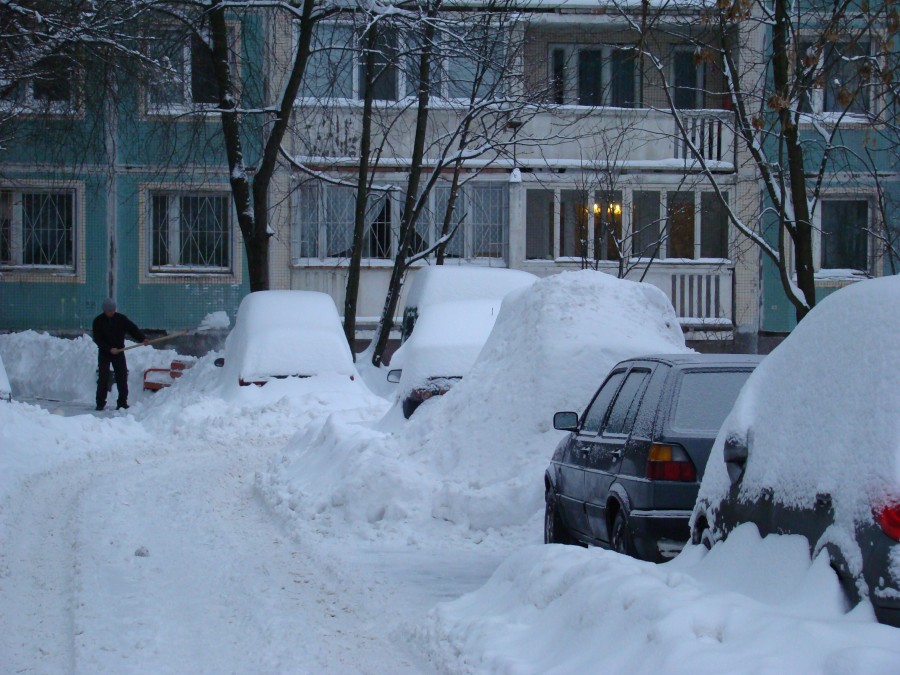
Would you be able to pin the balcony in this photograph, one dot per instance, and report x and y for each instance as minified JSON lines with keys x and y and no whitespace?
{"x":571,"y":137}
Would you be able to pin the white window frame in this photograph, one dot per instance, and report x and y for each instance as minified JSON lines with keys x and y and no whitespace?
{"x":702,"y":75}
{"x":185,"y":77}
{"x":174,"y":197}
{"x":22,"y":98}
{"x":816,"y":95}
{"x":570,"y":82}
{"x":627,"y":207}
{"x":428,"y":221}
{"x":440,"y":90}
{"x":871,"y":257}
{"x":17,"y":233}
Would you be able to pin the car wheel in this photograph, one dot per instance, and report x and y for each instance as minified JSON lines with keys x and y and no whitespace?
{"x":554,"y":530}
{"x":620,"y":539}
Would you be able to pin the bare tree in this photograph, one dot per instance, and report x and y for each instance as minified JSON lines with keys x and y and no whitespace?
{"x":800,"y":83}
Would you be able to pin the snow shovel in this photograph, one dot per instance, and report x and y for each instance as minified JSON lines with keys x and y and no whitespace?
{"x":210,"y":321}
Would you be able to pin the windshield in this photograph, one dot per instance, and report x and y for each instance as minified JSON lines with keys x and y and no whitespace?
{"x":705,"y":398}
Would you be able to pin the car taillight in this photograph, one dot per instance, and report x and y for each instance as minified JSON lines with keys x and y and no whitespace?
{"x":670,"y":462}
{"x":888,"y":518}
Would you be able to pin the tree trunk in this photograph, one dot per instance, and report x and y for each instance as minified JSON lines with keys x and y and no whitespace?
{"x":362,"y":193}
{"x":801,"y":227}
{"x":408,"y":219}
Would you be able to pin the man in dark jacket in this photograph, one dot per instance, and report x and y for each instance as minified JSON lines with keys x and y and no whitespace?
{"x":109,"y":332}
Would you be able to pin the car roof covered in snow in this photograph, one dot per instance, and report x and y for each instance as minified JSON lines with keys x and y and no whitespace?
{"x":449,"y":283}
{"x":284,"y":333}
{"x":821,"y":413}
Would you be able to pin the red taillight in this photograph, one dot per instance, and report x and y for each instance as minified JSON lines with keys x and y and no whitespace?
{"x":889,"y":520}
{"x":670,"y":462}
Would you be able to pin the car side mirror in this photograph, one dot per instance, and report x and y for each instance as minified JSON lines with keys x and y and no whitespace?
{"x":736,"y":452}
{"x":565,"y":421}
{"x":393,"y":376}
{"x":219,"y":362}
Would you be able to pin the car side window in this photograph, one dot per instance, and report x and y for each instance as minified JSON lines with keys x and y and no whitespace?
{"x":593,"y":418}
{"x":625,"y":407}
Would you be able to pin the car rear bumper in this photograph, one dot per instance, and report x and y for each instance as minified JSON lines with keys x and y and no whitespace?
{"x":659,"y":535}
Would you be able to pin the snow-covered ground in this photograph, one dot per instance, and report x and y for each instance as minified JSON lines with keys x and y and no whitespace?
{"x":300,"y":528}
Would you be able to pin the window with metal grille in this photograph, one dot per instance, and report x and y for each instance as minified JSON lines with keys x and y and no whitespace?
{"x":37,"y":229}
{"x":190,"y":231}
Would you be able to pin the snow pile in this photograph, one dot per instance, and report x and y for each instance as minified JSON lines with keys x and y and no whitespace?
{"x":40,"y":365}
{"x":750,"y":605}
{"x":279,"y":333}
{"x":475,"y":457}
{"x":825,"y":399}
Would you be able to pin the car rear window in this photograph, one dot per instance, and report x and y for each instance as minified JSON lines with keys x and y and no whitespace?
{"x":705,"y":398}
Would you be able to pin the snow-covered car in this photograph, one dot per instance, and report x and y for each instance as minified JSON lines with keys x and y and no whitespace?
{"x":442,"y":349}
{"x":448,"y":316}
{"x":279,"y":334}
{"x":453,"y":283}
{"x":627,"y":474}
{"x":5,"y":389}
{"x":812,"y":446}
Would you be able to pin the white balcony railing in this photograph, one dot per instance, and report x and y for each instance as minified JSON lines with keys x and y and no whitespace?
{"x":706,"y":133}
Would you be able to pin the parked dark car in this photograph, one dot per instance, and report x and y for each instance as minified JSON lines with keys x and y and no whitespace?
{"x":627,"y":475}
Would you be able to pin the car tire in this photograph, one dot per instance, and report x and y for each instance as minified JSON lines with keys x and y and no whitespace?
{"x":555,"y":531}
{"x":620,"y":536}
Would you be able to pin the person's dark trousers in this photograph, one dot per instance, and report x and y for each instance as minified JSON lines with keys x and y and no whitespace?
{"x":121,"y":370}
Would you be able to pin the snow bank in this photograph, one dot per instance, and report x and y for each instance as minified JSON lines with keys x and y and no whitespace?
{"x":822,"y":409}
{"x":42,"y":366}
{"x":750,"y":605}
{"x":474,"y":458}
{"x":449,"y":283}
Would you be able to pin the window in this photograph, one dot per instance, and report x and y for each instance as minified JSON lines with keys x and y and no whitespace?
{"x":838,"y":79}
{"x":695,"y":225}
{"x":465,"y":65}
{"x":50,"y":90}
{"x":184,"y":77}
{"x":625,"y":407}
{"x":37,"y":229}
{"x":845,"y":238}
{"x":593,"y":75}
{"x":190,"y":231}
{"x":540,"y":225}
{"x":594,"y":416}
{"x":688,"y":80}
{"x":590,"y":224}
{"x":325,"y":216}
{"x":704,"y":399}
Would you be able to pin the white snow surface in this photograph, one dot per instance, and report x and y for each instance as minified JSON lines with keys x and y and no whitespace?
{"x":292,"y":528}
{"x":822,"y":409}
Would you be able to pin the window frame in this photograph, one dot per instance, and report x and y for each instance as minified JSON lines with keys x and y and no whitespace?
{"x":813,"y":100}
{"x":175,"y":194}
{"x":700,"y":90}
{"x":23,"y":100}
{"x":818,"y":228}
{"x":187,"y":104}
{"x":405,"y":84}
{"x":429,"y":221}
{"x":571,"y":76}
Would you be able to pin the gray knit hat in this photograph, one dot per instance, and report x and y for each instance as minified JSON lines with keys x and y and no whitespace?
{"x":109,"y":305}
